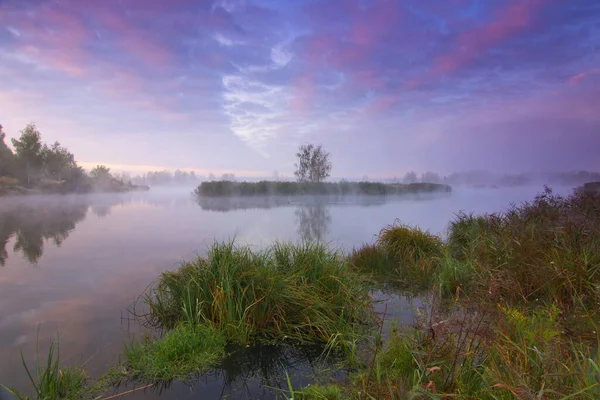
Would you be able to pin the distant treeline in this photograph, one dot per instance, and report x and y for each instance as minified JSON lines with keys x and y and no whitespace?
{"x":266,"y":188}
{"x":36,"y":167}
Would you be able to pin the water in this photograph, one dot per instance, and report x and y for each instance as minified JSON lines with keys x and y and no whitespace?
{"x":74,"y":264}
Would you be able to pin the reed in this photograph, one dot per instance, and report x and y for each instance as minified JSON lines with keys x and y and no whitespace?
{"x":304,"y":292}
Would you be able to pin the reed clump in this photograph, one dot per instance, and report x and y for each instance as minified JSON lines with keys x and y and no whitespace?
{"x":304,"y":292}
{"x":401,"y":255}
{"x":187,"y":349}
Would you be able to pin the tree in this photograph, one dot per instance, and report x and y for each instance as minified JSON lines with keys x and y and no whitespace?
{"x":430,"y":177}
{"x":28,"y":149}
{"x":7,"y":157}
{"x":228,"y":177}
{"x":101,"y":174}
{"x":410,"y":177}
{"x":313,"y":164}
{"x":57,"y":160}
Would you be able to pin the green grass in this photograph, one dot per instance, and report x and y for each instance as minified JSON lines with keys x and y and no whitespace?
{"x":51,"y":382}
{"x":320,"y":392}
{"x":304,"y":292}
{"x":182,"y":352}
{"x":266,"y":188}
{"x":401,"y":254}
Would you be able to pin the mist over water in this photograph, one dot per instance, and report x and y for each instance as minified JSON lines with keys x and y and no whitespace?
{"x":74,"y":264}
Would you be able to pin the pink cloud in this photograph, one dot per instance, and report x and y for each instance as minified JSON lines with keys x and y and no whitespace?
{"x":383,"y":103}
{"x":303,"y":89}
{"x":471,"y":44}
{"x":576,"y":79}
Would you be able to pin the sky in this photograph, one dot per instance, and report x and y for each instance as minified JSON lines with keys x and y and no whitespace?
{"x":386,"y":86}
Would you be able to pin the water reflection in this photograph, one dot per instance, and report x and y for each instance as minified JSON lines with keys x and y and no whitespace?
{"x":33,"y":222}
{"x":313,"y":221}
{"x":258,"y":372}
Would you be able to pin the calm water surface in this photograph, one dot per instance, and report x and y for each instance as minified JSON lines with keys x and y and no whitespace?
{"x":74,"y":264}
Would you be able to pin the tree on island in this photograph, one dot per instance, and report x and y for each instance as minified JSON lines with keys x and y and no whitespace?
{"x":313,"y":164}
{"x":410,"y":177}
{"x":7,"y":158}
{"x":28,"y":149}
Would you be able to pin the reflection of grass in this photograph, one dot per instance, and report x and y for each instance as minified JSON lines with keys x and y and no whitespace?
{"x":50,"y":381}
{"x":305,"y":292}
{"x":183,"y":351}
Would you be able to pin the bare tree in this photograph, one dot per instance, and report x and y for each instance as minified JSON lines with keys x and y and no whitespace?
{"x":410,"y":177}
{"x":313,"y":164}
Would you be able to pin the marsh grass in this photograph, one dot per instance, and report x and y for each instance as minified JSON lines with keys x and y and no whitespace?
{"x":547,"y":250}
{"x":402,"y":255}
{"x":184,"y":351}
{"x":304,"y":292}
{"x":49,"y":380}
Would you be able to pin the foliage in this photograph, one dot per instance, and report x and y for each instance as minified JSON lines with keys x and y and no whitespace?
{"x":7,"y":158}
{"x":304,"y":292}
{"x":100,"y":173}
{"x":187,"y":349}
{"x":313,"y":164}
{"x":35,"y":164}
{"x":57,"y":160}
{"x":28,"y":150}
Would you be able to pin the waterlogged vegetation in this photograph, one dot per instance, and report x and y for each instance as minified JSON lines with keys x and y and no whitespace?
{"x":510,"y":309}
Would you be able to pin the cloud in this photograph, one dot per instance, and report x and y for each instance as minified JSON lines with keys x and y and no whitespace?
{"x":256,"y":78}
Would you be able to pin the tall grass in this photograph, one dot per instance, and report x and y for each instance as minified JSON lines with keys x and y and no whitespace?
{"x":305,"y":292}
{"x":51,"y":382}
{"x":400,"y":254}
{"x":548,"y":249}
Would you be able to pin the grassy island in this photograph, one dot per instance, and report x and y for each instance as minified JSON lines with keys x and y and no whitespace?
{"x":281,"y":188}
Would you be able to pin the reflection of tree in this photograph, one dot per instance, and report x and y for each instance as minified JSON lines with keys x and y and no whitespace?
{"x":101,"y":210}
{"x":33,"y":222}
{"x":313,"y":221}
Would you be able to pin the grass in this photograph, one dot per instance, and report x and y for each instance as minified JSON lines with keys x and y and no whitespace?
{"x":266,"y":188}
{"x":51,"y":382}
{"x":304,"y":292}
{"x":182,"y":352}
{"x":401,"y":254}
{"x":548,"y":249}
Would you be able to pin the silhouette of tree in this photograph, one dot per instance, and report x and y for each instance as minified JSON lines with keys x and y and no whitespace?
{"x":313,"y":164}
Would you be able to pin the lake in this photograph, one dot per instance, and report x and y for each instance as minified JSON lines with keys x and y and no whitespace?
{"x":73,"y":265}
